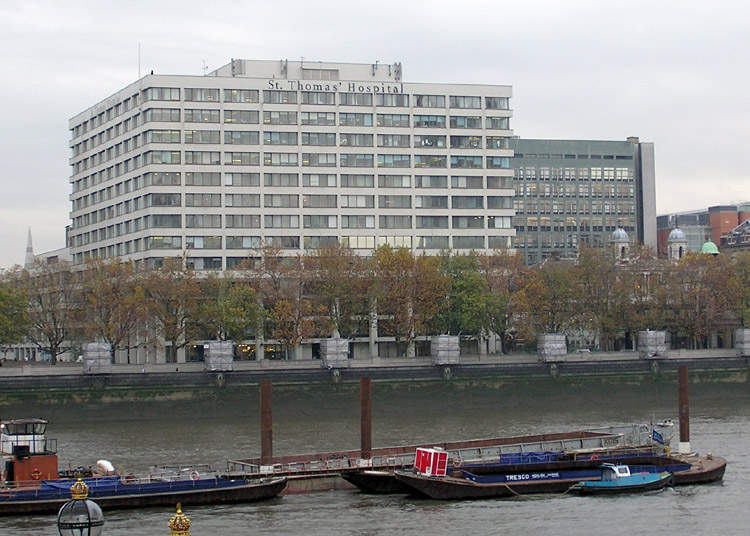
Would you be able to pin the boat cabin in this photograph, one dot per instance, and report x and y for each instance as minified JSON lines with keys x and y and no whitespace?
{"x":611,"y":473}
{"x":28,"y":456}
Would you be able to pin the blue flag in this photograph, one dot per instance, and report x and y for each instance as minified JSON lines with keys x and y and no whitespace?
{"x":657,"y":437}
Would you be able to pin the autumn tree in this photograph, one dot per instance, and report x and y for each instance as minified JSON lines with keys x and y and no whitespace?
{"x":14,"y":319}
{"x":52,"y":294}
{"x":112,"y":302}
{"x":172,"y":301}
{"x":229,"y":308}
{"x":741,"y":269}
{"x":410,"y":291}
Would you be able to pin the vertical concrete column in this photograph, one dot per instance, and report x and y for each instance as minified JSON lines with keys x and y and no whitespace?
{"x":684,"y":407}
{"x":365,"y":413}
{"x":374,"y":329}
{"x":266,"y":422}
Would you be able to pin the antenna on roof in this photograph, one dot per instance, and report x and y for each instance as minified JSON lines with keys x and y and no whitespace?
{"x":205,"y":67}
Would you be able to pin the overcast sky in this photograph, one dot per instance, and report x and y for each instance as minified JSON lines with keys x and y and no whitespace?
{"x":674,"y":73}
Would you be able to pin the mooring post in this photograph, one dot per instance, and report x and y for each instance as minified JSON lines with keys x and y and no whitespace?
{"x":684,"y":403}
{"x":365,"y":412}
{"x":266,"y":423}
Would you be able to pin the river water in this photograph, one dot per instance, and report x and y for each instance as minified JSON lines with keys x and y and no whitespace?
{"x":136,"y":436}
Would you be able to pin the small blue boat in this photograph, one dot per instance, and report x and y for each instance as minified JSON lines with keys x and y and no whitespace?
{"x":618,"y":479}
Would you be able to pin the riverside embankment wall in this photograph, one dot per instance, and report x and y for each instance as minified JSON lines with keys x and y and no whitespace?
{"x":66,"y":383}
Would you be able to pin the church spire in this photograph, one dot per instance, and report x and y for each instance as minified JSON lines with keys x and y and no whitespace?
{"x":29,"y":261}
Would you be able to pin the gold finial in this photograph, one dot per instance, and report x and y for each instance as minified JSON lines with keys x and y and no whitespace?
{"x":179,"y":525}
{"x":79,"y":490}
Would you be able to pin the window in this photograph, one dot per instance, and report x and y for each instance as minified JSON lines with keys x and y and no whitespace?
{"x":202,"y":136}
{"x":432,"y":222}
{"x":355,"y":140}
{"x":242,"y":221}
{"x":201,"y":95}
{"x":161,"y":157}
{"x":318,"y":97}
{"x":498,"y":222}
{"x":319,"y":138}
{"x":465,"y":102}
{"x":355,"y":120}
{"x":203,"y":242}
{"x":162,"y":136}
{"x":392,"y":99}
{"x":280,"y":159}
{"x":357,"y":181}
{"x":241,"y":159}
{"x":498,"y":162}
{"x":281,"y":221}
{"x":499,"y":202}
{"x":395,"y":241}
{"x":201,"y":116}
{"x":171,"y":221}
{"x":281,"y":179}
{"x":468,"y":242}
{"x":315,"y":242}
{"x":394,"y":181}
{"x":466,"y":142}
{"x":497,"y":103}
{"x":357,"y":222}
{"x":395,"y":222}
{"x":318,"y":180}
{"x":163,"y":200}
{"x":241,"y":95}
{"x":319,"y":159}
{"x":393,"y":120}
{"x":467,"y":201}
{"x":357,"y":201}
{"x":497,"y":123}
{"x":162,"y":94}
{"x":202,"y":200}
{"x":242,"y":179}
{"x":209,"y":158}
{"x":466,"y":182}
{"x":429,"y":101}
{"x":394,"y":160}
{"x":472,"y":162}
{"x":281,"y":200}
{"x":319,"y":222}
{"x":432,"y":181}
{"x":318,"y":201}
{"x":431,"y":201}
{"x":463,"y":121}
{"x":355,"y":99}
{"x":279,"y":97}
{"x":495,"y":183}
{"x":393,"y":140}
{"x":356,"y":160}
{"x":432,"y":242}
{"x":241,"y":117}
{"x":429,"y":121}
{"x":430,"y":161}
{"x":279,"y":118}
{"x":358,"y":242}
{"x":280,"y":138}
{"x":429,"y":141}
{"x":243,"y":242}
{"x":202,"y":220}
{"x":163,"y":178}
{"x":164,"y":242}
{"x":242,"y":200}
{"x":498,"y":142}
{"x":283,"y":242}
{"x":241,"y":137}
{"x":320,"y":118}
{"x":394,"y":201}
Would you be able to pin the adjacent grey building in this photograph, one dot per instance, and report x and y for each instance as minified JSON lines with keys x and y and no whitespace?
{"x":573,"y":192}
{"x":292,"y":154}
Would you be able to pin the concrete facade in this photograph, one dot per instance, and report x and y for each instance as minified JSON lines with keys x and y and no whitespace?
{"x":291,"y":154}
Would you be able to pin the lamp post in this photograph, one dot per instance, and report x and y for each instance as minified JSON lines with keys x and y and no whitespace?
{"x":179,"y":525}
{"x":80,"y":516}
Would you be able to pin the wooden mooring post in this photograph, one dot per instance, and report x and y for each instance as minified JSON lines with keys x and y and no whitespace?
{"x":365,"y":413}
{"x":684,"y":408}
{"x":266,"y":423}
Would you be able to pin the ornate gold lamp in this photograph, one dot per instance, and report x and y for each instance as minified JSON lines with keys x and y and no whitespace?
{"x":80,"y":516}
{"x":179,"y":525}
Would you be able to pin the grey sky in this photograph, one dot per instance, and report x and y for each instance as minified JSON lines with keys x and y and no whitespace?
{"x":675,"y":73}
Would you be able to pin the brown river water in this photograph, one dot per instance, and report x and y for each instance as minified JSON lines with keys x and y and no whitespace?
{"x":136,"y":436}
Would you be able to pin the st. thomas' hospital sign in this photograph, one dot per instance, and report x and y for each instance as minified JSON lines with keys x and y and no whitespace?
{"x":350,"y":87}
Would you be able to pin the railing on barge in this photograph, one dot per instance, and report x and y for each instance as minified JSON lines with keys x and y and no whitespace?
{"x":604,"y":439}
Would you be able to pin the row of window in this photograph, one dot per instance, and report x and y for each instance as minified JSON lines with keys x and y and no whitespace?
{"x":571,"y":174}
{"x":588,"y":189}
{"x":583,"y":206}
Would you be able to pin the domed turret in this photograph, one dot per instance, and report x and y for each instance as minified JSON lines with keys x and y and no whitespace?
{"x":709,"y":248}
{"x":621,"y":243}
{"x":619,"y":235}
{"x":677,"y":236}
{"x":677,"y":244}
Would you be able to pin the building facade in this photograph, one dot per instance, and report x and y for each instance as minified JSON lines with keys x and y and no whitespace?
{"x":570,"y":192}
{"x":699,"y":226}
{"x":290,"y":154}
